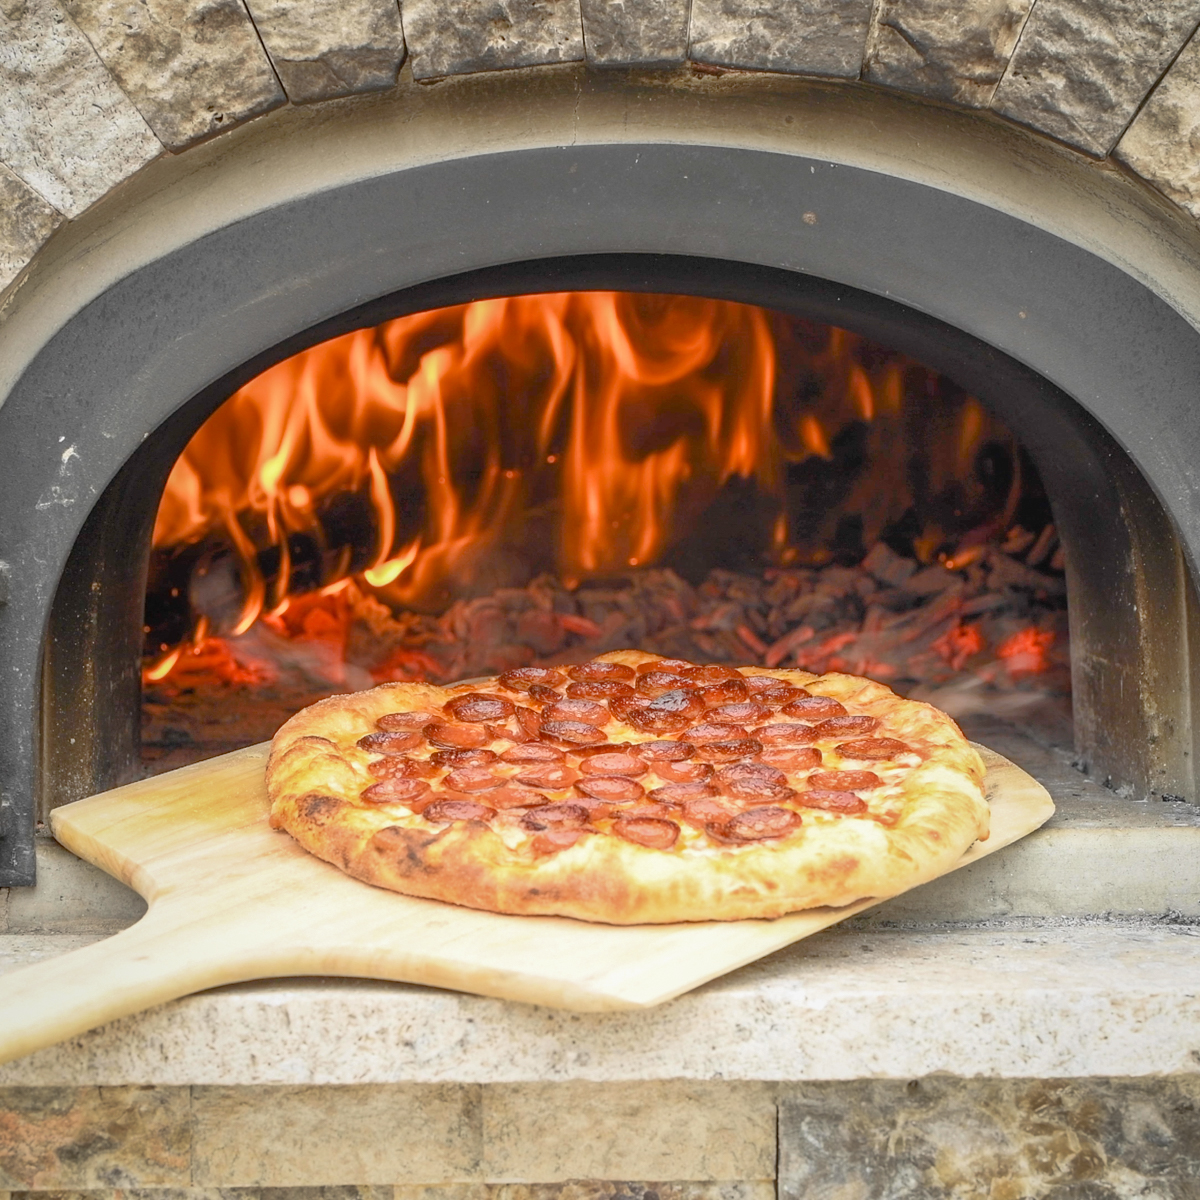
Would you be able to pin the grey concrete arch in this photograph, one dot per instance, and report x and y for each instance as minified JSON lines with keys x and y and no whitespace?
{"x":146,"y":353}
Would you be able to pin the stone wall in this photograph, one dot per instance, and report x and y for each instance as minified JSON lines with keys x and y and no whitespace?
{"x":938,"y":1139}
{"x":93,"y":90}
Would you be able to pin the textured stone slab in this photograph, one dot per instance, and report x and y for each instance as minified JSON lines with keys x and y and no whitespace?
{"x":620,"y":33}
{"x":65,"y":127}
{"x":589,"y":1189}
{"x":81,"y":1137}
{"x":1082,"y":67}
{"x":192,"y":67}
{"x":941,"y":1139}
{"x":453,"y":37}
{"x":290,"y":1137}
{"x":843,"y":1005}
{"x":26,"y":221}
{"x":556,"y":1131}
{"x":954,"y":51}
{"x":806,"y":37}
{"x":1163,"y":143}
{"x":327,"y":48}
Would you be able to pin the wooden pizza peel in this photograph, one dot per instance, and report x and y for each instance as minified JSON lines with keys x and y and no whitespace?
{"x":230,"y":900}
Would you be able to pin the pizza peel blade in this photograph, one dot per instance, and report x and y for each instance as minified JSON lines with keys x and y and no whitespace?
{"x":230,"y":901}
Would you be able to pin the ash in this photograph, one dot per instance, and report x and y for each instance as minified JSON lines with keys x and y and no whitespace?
{"x":986,"y":634}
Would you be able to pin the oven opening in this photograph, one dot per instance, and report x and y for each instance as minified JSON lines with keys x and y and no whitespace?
{"x":536,"y":479}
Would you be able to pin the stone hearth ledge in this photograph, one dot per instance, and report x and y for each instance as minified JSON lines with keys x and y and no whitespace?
{"x":1032,"y":999}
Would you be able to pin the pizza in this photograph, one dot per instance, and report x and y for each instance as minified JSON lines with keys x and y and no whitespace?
{"x":631,"y":789}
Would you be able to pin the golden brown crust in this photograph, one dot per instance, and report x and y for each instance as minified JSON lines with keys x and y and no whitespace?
{"x":919,"y":823}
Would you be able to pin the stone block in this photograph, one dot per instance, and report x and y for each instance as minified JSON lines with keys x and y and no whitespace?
{"x":454,"y":37}
{"x":1163,"y":142}
{"x":327,"y":48}
{"x":313,"y":1136}
{"x":1082,"y":67}
{"x":697,"y":1130}
{"x":804,"y":37}
{"x":589,"y":1189}
{"x":71,"y":1138}
{"x":942,"y":1139}
{"x":66,"y":129}
{"x":192,"y":67}
{"x":71,"y":896}
{"x":619,"y":33}
{"x":953,"y":51}
{"x":26,"y":221}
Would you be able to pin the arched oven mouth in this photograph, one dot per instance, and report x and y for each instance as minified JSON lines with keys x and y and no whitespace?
{"x":78,"y":729}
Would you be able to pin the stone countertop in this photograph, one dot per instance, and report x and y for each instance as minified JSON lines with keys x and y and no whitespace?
{"x":1027,"y":999}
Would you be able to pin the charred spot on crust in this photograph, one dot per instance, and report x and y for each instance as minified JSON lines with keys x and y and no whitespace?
{"x":317,"y":807}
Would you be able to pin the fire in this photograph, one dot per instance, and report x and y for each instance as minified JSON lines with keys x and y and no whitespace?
{"x":591,"y":425}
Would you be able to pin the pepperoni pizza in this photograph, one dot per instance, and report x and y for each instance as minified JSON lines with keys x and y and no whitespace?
{"x":632,"y":789}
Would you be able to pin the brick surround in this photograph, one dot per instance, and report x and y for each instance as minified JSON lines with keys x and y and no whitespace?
{"x":92,"y":91}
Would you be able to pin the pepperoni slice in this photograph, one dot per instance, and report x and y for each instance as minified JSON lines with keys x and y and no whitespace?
{"x":761,"y":685}
{"x":800,"y":759}
{"x":529,"y":721}
{"x":521,"y":679}
{"x":556,"y":816}
{"x":683,"y":772}
{"x":469,"y":757}
{"x":728,"y":751}
{"x":551,"y":776}
{"x":395,"y":767}
{"x":654,"y":683}
{"x":532,"y":752}
{"x":847,"y":726}
{"x":514,"y":795}
{"x":874,"y":749}
{"x":397,"y":790}
{"x":681,"y":793}
{"x":597,"y":809}
{"x":745,"y":712}
{"x":648,"y":720}
{"x":589,"y":672}
{"x":612,"y":789}
{"x":844,"y":781}
{"x":651,"y":832}
{"x":544,"y":695}
{"x":455,"y":737}
{"x":574,"y":733}
{"x":706,"y":811}
{"x":615,"y":762}
{"x":477,"y":707}
{"x":745,"y":772}
{"x":756,"y":825}
{"x":389,"y":743}
{"x":551,"y":841}
{"x":786,"y":734}
{"x":728,"y":691}
{"x":623,"y":707}
{"x":587,"y":711}
{"x":471,"y":779}
{"x":650,"y":808}
{"x":813,"y":708}
{"x":678,"y":700}
{"x":714,"y":731}
{"x":599,"y":689}
{"x":392,"y":722}
{"x":583,"y":752}
{"x":511,"y":731}
{"x":444,"y":811}
{"x":751,"y":791}
{"x":663,"y":751}
{"x":832,"y":801}
{"x":677,"y":666}
{"x":708,"y":675}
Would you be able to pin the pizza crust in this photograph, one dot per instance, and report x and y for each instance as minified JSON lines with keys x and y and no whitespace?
{"x":317,"y":772}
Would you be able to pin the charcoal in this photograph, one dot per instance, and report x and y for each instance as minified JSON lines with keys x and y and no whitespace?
{"x":887,"y":566}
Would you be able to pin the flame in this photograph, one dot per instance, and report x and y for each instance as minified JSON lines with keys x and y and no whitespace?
{"x":628,"y":399}
{"x":610,"y":417}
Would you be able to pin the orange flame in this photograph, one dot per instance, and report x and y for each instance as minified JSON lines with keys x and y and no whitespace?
{"x":628,"y":400}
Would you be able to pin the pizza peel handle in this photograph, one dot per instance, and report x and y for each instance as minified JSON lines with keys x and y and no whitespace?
{"x":167,"y":954}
